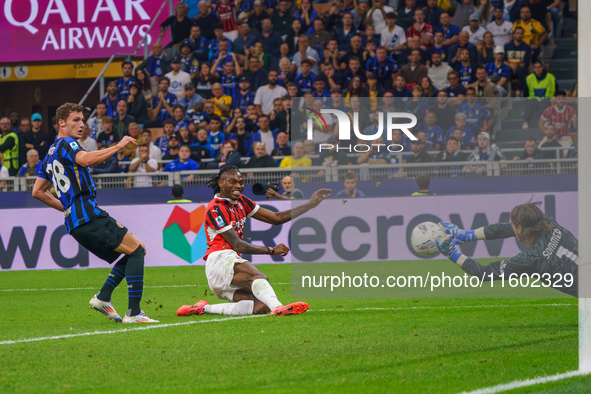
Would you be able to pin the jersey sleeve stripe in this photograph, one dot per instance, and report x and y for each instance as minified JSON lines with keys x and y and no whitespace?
{"x":256,"y":208}
{"x":223,"y":229}
{"x":71,"y":151}
{"x":75,"y":152}
{"x":248,"y":202}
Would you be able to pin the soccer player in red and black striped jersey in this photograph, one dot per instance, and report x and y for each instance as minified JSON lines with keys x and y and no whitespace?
{"x":226,"y":12}
{"x":421,"y":29}
{"x":230,"y":276}
{"x":562,"y":116}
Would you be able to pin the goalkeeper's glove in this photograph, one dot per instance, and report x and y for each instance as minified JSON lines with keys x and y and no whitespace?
{"x":456,"y":234}
{"x":448,"y":248}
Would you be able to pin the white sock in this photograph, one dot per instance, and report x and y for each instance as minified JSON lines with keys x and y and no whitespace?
{"x":232,"y":308}
{"x":263,"y":291}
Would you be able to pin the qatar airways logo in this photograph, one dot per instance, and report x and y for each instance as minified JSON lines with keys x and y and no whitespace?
{"x":388,"y":122}
{"x":114,"y":22}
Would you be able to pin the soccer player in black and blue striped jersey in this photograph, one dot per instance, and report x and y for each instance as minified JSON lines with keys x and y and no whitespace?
{"x":66,"y":169}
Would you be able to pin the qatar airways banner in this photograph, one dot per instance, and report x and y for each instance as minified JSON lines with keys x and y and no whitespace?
{"x":365,"y":229}
{"x":40,"y":30}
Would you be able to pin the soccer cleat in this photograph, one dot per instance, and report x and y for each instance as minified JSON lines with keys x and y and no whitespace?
{"x":188,"y":310}
{"x":139,"y":318}
{"x":106,"y":308}
{"x":294,"y":308}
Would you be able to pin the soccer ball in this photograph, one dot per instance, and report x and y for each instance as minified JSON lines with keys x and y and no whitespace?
{"x":423,"y":238}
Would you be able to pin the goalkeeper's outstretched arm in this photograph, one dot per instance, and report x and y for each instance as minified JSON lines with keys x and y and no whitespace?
{"x":493,"y":271}
{"x":496,"y":231}
{"x":448,"y":248}
{"x":474,"y":268}
{"x":524,"y":263}
{"x":490,"y":232}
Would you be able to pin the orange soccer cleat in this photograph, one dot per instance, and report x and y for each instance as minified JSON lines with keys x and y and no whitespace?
{"x":294,"y":308}
{"x":188,"y":310}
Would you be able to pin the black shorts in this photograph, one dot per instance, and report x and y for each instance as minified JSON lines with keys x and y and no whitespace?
{"x":101,"y":236}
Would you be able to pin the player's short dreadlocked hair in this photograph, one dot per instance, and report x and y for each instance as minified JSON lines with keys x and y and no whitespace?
{"x":213,"y":181}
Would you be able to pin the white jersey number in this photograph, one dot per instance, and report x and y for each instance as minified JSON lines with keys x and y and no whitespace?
{"x":565,"y":252}
{"x":58,"y":177}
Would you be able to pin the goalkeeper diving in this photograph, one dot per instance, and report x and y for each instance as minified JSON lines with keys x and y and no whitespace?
{"x":553,"y":250}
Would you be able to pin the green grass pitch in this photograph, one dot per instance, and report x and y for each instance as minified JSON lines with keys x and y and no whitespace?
{"x":340,"y":345}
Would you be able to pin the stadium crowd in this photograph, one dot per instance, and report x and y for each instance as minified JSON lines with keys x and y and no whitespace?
{"x":221,"y":91}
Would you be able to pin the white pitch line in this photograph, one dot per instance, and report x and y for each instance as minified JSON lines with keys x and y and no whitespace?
{"x":528,"y":382}
{"x":149,"y":327}
{"x":95,"y":288}
{"x":143,"y":327}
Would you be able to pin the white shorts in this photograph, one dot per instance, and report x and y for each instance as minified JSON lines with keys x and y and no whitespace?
{"x":219,"y":270}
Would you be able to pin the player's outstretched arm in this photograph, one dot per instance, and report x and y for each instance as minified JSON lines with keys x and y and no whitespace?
{"x":88,"y":159}
{"x":490,"y":232}
{"x":497,"y":231}
{"x":267,"y":216}
{"x":41,"y":192}
{"x":457,"y":234}
{"x":448,"y":249}
{"x":239,"y":245}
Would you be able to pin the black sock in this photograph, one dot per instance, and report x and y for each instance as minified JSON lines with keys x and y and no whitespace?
{"x":115,"y":277}
{"x":134,"y":273}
